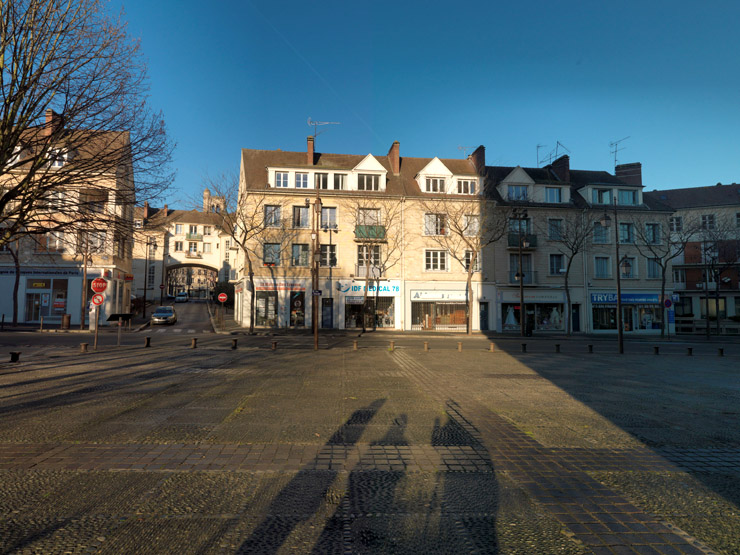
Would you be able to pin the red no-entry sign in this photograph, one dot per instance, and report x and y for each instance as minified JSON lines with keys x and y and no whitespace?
{"x":99,"y":285}
{"x":98,"y":299}
{"x":222,"y":297}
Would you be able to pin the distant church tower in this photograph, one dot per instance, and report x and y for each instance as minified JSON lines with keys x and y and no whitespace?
{"x":213,"y":203}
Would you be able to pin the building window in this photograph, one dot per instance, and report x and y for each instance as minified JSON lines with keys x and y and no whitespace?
{"x":628,"y":198}
{"x":602,"y":196}
{"x":435,"y":261}
{"x":435,"y":185}
{"x":272,"y":215}
{"x":227,"y":243}
{"x":517,"y":225}
{"x":602,"y":267}
{"x":329,"y":218}
{"x":557,"y":264}
{"x":466,"y":186}
{"x":652,"y":234}
{"x":321,"y":180}
{"x":469,"y":258}
{"x":517,"y":192}
{"x":368,"y":255}
{"x":206,"y":230}
{"x":626,"y":233}
{"x":368,"y":216}
{"x":301,"y":180}
{"x":628,"y":267}
{"x":368,"y":182}
{"x":271,"y":254}
{"x":300,"y":216}
{"x":676,"y":223}
{"x":553,"y":194}
{"x":178,"y":246}
{"x":57,"y":157}
{"x":138,"y":224}
{"x":193,"y":247}
{"x":193,"y":229}
{"x":151,"y":276}
{"x":226,"y":256}
{"x":206,"y":248}
{"x":679,"y":276}
{"x":555,"y":229}
{"x":299,"y":256}
{"x":178,"y":229}
{"x":281,"y":179}
{"x":339,"y":181}
{"x":601,"y":234}
{"x":713,"y":308}
{"x":654,"y":270}
{"x":471,"y":225}
{"x":435,"y":224}
{"x":328,"y":255}
{"x":707,"y":221}
{"x":152,"y":249}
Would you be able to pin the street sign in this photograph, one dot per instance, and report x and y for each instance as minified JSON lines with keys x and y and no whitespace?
{"x":161,"y":285}
{"x":222,"y":297}
{"x":317,"y":292}
{"x":98,"y":299}
{"x":99,"y":285}
{"x":667,"y":303}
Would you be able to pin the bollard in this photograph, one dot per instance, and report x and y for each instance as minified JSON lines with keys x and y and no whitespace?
{"x":392,"y":346}
{"x":524,"y":347}
{"x":354,"y":345}
{"x":689,"y":351}
{"x":426,"y":345}
{"x":491,"y":347}
{"x":656,"y":350}
{"x":274,"y":345}
{"x":459,"y":346}
{"x":83,"y":347}
{"x":233,"y":344}
{"x":41,"y":325}
{"x":15,"y":356}
{"x":557,"y":347}
{"x":147,"y":342}
{"x":194,"y":343}
{"x":721,"y":352}
{"x":590,"y":348}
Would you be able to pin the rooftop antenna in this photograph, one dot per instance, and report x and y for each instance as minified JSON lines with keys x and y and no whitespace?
{"x":539,"y":146}
{"x":465,"y":149}
{"x":315,"y":124}
{"x":560,"y":145}
{"x":615,"y":148}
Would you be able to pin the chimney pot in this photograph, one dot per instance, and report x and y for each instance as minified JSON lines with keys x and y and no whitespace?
{"x":309,"y":151}
{"x":146,"y":210}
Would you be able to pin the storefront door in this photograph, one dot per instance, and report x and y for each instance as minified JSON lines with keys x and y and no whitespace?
{"x":33,"y":306}
{"x":484,"y":316}
{"x":576,"y":317}
{"x":297,"y":309}
{"x":327,"y":313}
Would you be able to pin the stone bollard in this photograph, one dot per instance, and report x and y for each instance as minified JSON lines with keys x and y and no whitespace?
{"x":392,"y":346}
{"x":656,"y":350}
{"x":15,"y":356}
{"x":354,"y":345}
{"x":557,"y":347}
{"x":459,"y":346}
{"x":590,"y":348}
{"x":274,"y":345}
{"x":426,"y":345}
{"x":83,"y":347}
{"x":491,"y":347}
{"x":689,"y":351}
{"x":524,"y":347}
{"x":194,"y":343}
{"x":721,"y":352}
{"x":147,"y":342}
{"x":233,"y":344}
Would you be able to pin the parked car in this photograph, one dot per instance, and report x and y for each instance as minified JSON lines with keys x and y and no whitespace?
{"x":164,"y":315}
{"x":181,"y":297}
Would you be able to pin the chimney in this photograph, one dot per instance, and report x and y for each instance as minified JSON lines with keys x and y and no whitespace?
{"x":309,"y":151}
{"x":166,"y":211}
{"x":53,"y":122}
{"x":146,"y":210}
{"x":561,"y":168}
{"x":629,"y":173}
{"x":478,"y":159}
{"x":394,"y":157}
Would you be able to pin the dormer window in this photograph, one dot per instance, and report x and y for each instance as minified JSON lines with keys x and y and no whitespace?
{"x":138,"y":224}
{"x":466,"y":186}
{"x":628,"y":198}
{"x":602,"y":196}
{"x":281,"y":179}
{"x":553,"y":194}
{"x":17,"y":155}
{"x":517,"y":192}
{"x":58,"y":157}
{"x":435,"y":185}
{"x":368,"y":182}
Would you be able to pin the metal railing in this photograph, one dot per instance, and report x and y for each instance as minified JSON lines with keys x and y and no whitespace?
{"x":194,"y":236}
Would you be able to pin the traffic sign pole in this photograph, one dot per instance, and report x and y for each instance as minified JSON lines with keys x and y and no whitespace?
{"x":97,"y":318}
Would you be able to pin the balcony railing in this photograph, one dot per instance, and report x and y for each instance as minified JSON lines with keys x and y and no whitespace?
{"x":194,"y":236}
{"x":370,"y":233}
{"x":191,"y":254}
{"x":530,"y":277}
{"x":529,"y":240}
{"x":373,"y":272}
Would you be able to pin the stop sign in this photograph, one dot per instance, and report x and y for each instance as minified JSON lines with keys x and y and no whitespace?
{"x":99,"y":285}
{"x":222,"y":297}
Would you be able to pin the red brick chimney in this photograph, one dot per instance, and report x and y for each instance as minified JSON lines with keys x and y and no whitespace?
{"x":53,"y":122}
{"x":309,"y":151}
{"x":561,"y":168}
{"x":166,"y":210}
{"x":478,"y":158}
{"x":146,"y":210}
{"x":629,"y":173}
{"x":394,"y":157}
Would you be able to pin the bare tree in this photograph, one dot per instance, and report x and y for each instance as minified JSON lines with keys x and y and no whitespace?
{"x":77,"y":139}
{"x":464,"y":227}
{"x":569,"y":233}
{"x":377,"y":223}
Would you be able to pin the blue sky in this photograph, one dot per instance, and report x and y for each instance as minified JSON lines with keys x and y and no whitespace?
{"x":440,"y":75}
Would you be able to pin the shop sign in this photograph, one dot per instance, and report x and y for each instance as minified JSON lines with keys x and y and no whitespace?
{"x":41,"y":272}
{"x":359,"y":287}
{"x":629,"y":298}
{"x":278,"y":285}
{"x":351,"y":299}
{"x":533,"y":296}
{"x":130,"y":277}
{"x":439,"y":295}
{"x":42,"y":284}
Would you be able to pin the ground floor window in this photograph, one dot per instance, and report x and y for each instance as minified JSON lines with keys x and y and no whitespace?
{"x":266,"y":309}
{"x":380,"y":312}
{"x":713,"y":308}
{"x":605,"y":318}
{"x":438,"y":316}
{"x":683,"y":307}
{"x":549,"y":317}
{"x":649,"y":317}
{"x":47,"y":298}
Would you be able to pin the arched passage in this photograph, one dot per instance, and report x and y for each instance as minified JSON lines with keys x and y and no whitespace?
{"x":196,"y":279}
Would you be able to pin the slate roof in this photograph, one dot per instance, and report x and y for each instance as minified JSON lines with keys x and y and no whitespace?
{"x":694,"y":197}
{"x":157,"y":217}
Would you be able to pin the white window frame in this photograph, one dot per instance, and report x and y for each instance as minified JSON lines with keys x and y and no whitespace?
{"x":305,"y":221}
{"x":471,"y":225}
{"x":272,"y":215}
{"x":708,"y":222}
{"x":364,"y":178}
{"x":327,"y":255}
{"x":274,"y":252}
{"x":373,"y":258}
{"x":652,"y":268}
{"x":435,"y":185}
{"x":517,"y":192}
{"x":467,"y":186}
{"x":435,"y":225}
{"x":178,"y":229}
{"x":630,"y":227}
{"x":609,"y":270}
{"x":633,"y":268}
{"x":341,"y":180}
{"x":560,"y":268}
{"x":557,"y":191}
{"x":598,"y":195}
{"x":301,"y":180}
{"x":304,"y":255}
{"x":624,"y":192}
{"x":282,"y":179}
{"x":559,"y":228}
{"x":435,"y":260}
{"x":466,"y":260}
{"x":675,"y":223}
{"x":206,"y":248}
{"x":654,"y":229}
{"x":368,"y":216}
{"x":321,"y":180}
{"x":326,"y":221}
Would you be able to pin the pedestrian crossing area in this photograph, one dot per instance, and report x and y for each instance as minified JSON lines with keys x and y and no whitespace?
{"x":182,"y":331}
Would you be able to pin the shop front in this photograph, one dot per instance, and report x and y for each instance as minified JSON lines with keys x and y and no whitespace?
{"x":545,"y":310}
{"x":439,"y":310}
{"x":641,"y":312}
{"x":380,"y":307}
{"x":281,"y":303}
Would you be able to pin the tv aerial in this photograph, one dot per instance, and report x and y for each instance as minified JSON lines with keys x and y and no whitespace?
{"x":316,"y":124}
{"x":615,"y":148}
{"x":465,"y":149}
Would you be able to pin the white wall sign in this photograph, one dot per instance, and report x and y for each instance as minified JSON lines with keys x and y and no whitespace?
{"x":438,"y":295}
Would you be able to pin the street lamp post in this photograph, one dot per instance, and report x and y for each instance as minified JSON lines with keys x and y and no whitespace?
{"x":605,"y":222}
{"x":315,"y":269}
{"x":146,"y":272}
{"x":330,"y":229}
{"x":521,"y":215}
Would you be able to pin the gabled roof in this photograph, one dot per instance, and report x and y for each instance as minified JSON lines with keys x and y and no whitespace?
{"x":157,"y":217}
{"x":694,"y":197}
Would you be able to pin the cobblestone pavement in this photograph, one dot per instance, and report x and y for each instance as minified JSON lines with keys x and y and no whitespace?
{"x":370,"y":451}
